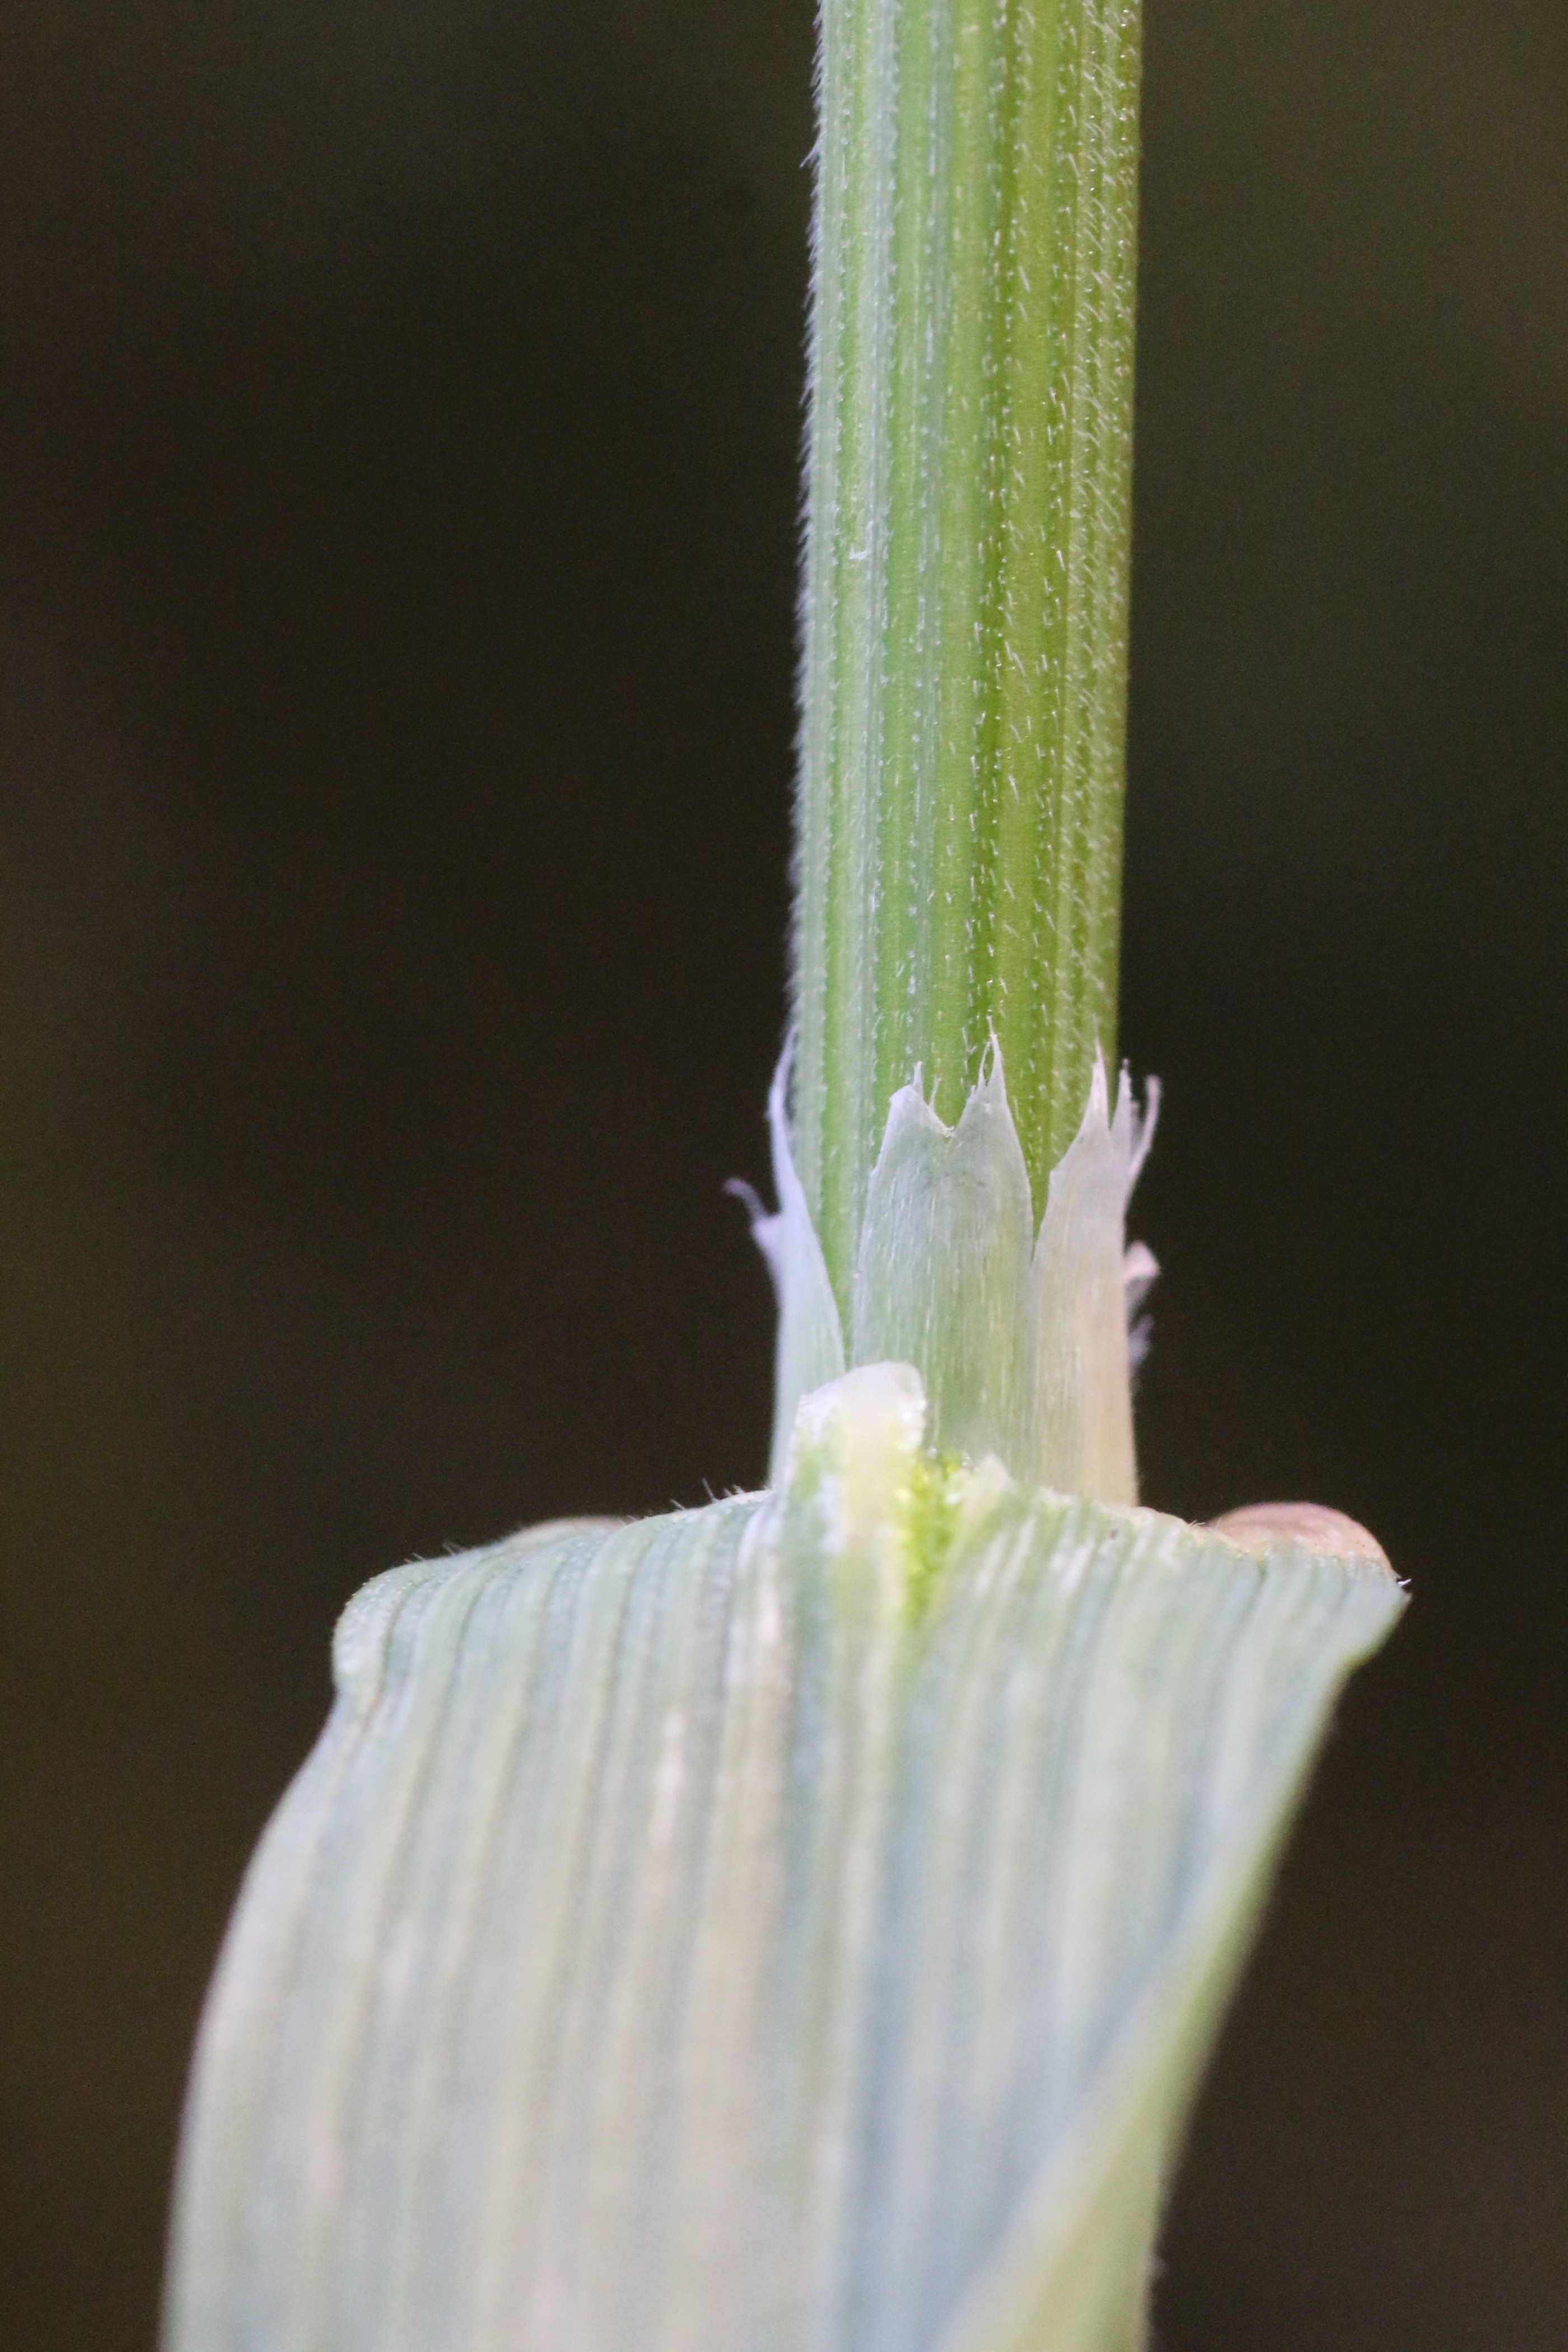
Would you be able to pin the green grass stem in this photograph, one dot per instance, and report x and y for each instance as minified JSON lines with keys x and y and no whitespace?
{"x":964,"y":624}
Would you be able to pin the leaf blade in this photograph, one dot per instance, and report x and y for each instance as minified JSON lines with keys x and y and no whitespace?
{"x":675,"y":1939}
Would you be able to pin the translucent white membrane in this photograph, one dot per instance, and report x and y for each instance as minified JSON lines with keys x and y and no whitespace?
{"x":1021,"y":1338}
{"x":794,"y":1924}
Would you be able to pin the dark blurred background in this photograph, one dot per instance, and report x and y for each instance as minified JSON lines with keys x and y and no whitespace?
{"x":399,"y":409}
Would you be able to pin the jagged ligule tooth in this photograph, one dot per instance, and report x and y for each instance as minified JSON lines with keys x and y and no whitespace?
{"x":943,"y":1271}
{"x":810,"y":1346}
{"x":1080,"y":1409}
{"x":1022,"y":1341}
{"x":789,"y":1927}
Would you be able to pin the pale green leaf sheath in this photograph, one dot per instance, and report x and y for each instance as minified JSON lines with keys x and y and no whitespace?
{"x":795,"y":1923}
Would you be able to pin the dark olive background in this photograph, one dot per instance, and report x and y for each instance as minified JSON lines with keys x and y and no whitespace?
{"x":400,"y":409}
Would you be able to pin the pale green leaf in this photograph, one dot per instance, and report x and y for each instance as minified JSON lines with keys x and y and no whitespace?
{"x":793,"y":1924}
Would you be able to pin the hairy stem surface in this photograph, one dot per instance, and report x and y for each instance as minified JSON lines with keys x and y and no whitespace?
{"x":959,"y":821}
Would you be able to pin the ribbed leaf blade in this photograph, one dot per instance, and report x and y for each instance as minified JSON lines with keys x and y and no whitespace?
{"x":795,"y":1923}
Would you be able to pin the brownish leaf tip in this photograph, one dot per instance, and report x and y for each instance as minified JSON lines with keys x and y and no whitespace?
{"x":1259,"y":1528}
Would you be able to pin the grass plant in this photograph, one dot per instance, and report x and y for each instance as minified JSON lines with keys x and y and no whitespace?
{"x":797,"y":1924}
